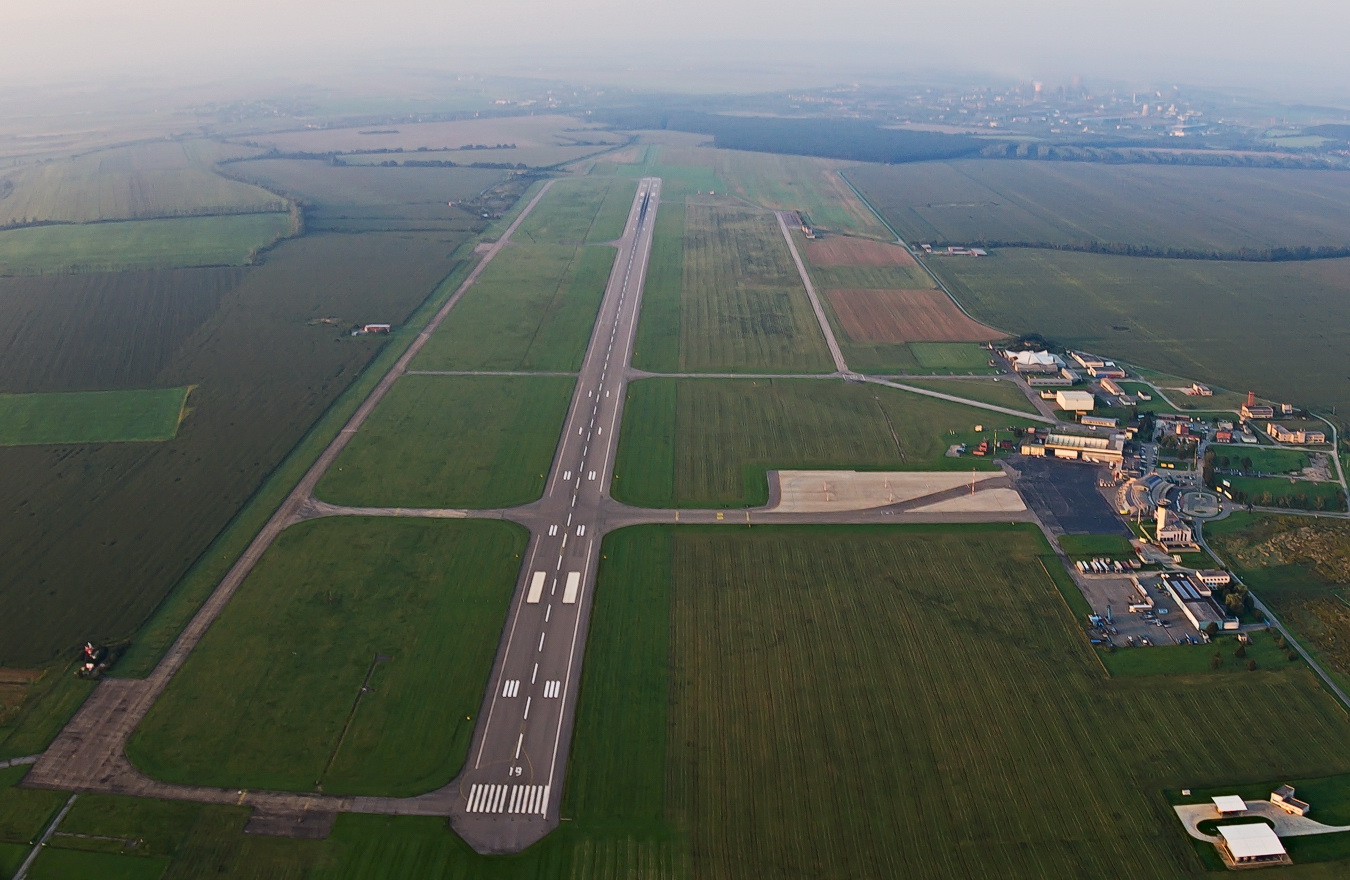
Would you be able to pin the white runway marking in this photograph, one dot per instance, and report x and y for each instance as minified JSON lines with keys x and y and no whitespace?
{"x":536,"y":587}
{"x":520,"y":741}
{"x":535,"y":674}
{"x":553,"y":530}
{"x":511,"y":688}
{"x":541,"y":641}
{"x":570,"y":591}
{"x":527,"y":707}
{"x":581,"y":531}
{"x":567,"y":475}
{"x":552,"y":689}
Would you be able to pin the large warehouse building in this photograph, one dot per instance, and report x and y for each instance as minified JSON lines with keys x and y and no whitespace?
{"x":1108,"y":450}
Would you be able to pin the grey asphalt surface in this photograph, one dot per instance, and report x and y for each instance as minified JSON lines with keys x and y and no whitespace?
{"x":1065,"y":497}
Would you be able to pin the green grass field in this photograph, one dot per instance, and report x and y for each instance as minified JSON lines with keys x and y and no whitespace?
{"x":741,"y":308}
{"x":1160,"y":206}
{"x":533,"y":308}
{"x":999,"y":393}
{"x":1229,"y":324}
{"x":24,"y":812}
{"x":1094,"y":546}
{"x":767,"y":630}
{"x":61,"y":864}
{"x":137,"y":182}
{"x":139,"y":244}
{"x":954,"y":357}
{"x":271,"y":698}
{"x":1299,"y":567}
{"x":1280,"y":492}
{"x":1264,"y":459}
{"x":1197,"y":660}
{"x":709,"y":442}
{"x":583,"y":209}
{"x":656,"y":345}
{"x":453,"y":441}
{"x":91,"y":416}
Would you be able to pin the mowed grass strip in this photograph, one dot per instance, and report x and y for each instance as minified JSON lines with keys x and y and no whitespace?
{"x":743,"y":307}
{"x":656,"y":347}
{"x":825,"y":682}
{"x":710,"y":442}
{"x":533,"y":308}
{"x":999,"y":393}
{"x":91,"y":416}
{"x":453,"y":441}
{"x":229,"y":240}
{"x":583,"y":209}
{"x":272,"y":697}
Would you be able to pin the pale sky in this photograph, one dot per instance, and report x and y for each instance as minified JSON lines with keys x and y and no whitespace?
{"x":1218,"y":42}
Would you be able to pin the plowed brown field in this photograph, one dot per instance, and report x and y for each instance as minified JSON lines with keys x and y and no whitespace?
{"x":905,"y":316}
{"x":839,"y":250}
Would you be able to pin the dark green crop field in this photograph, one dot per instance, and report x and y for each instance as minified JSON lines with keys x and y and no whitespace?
{"x":453,"y":441}
{"x":533,"y":308}
{"x":741,"y":308}
{"x":1231,"y":324}
{"x":267,"y":350}
{"x":710,"y":442}
{"x":364,"y":198}
{"x":272,"y":697}
{"x":229,"y":240}
{"x":1157,"y":206}
{"x":91,"y":416}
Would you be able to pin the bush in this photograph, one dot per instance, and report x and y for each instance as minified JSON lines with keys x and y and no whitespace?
{"x":1240,"y":652}
{"x":1251,"y":665}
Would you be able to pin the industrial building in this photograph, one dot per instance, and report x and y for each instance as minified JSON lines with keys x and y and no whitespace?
{"x":1283,"y":797}
{"x":1253,"y":410}
{"x":1063,"y":378}
{"x":1075,"y":401}
{"x":1107,"y":450}
{"x":1035,"y":361}
{"x":1108,"y":370}
{"x":1284,"y":435}
{"x":1100,"y":421}
{"x":1250,"y":845}
{"x":1197,"y":602}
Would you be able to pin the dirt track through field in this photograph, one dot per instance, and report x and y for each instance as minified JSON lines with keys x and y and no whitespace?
{"x":905,"y":316}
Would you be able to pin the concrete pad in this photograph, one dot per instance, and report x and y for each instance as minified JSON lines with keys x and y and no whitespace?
{"x":1286,"y":825}
{"x":832,"y":491}
{"x":983,"y":501}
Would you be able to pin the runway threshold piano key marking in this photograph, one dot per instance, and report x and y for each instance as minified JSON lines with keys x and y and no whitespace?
{"x":519,"y":799}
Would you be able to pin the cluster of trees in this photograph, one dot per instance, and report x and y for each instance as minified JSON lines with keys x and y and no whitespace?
{"x":1163,"y":154}
{"x":1245,"y":254}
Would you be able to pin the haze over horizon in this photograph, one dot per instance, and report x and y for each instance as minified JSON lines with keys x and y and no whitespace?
{"x":1237,"y":43}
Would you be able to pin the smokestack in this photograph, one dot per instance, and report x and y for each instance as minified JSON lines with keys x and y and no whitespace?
{"x":1251,"y":398}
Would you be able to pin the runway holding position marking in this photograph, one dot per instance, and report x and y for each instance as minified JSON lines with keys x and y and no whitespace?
{"x":511,"y":787}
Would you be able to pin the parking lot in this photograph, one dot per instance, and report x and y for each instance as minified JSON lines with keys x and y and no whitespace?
{"x":1118,"y":593}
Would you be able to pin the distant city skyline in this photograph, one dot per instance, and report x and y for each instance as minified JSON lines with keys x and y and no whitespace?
{"x":1237,"y":43}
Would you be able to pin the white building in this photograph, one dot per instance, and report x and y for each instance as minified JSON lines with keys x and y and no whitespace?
{"x":1075,"y":401}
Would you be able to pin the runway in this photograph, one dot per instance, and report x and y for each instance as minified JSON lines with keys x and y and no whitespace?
{"x":511,"y":786}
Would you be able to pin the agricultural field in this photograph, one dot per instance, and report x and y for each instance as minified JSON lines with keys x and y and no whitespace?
{"x":229,"y":240}
{"x":372,"y":199}
{"x":523,"y":131}
{"x":533,"y":308}
{"x":1301,"y":569}
{"x":1229,"y":324}
{"x":138,"y":182}
{"x":741,"y":306}
{"x":872,"y":316}
{"x":657,"y":341}
{"x":786,"y":183}
{"x":91,"y":416}
{"x":529,"y":157}
{"x":273,"y":696}
{"x":710,"y":442}
{"x":1201,"y":209}
{"x":453,"y":441}
{"x":579,"y":210}
{"x":869,"y":277}
{"x":268,"y":352}
{"x":999,"y":393}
